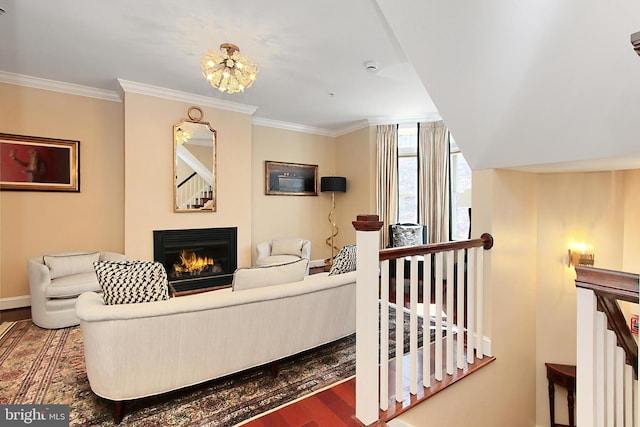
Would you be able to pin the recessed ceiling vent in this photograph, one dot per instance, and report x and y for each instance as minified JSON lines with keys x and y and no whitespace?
{"x":635,"y":41}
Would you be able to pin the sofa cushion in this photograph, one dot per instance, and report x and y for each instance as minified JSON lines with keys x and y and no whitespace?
{"x":277,"y":259}
{"x":286,"y":247}
{"x":257,"y":277}
{"x":126,"y":282}
{"x":72,"y":286}
{"x":345,"y":261}
{"x":66,"y":265}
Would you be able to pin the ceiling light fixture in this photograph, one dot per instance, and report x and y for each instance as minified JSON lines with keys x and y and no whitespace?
{"x":227,"y":70}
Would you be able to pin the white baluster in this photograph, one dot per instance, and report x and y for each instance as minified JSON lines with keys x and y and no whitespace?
{"x":610,"y":378}
{"x":384,"y":335}
{"x":585,"y":370}
{"x":479,"y":305}
{"x":426,"y":338}
{"x":471,"y":303}
{"x":413,"y":325}
{"x":438,"y":319}
{"x":450,"y":312}
{"x":619,"y":385}
{"x":460,"y":310}
{"x":399,"y":327}
{"x":600,"y":368}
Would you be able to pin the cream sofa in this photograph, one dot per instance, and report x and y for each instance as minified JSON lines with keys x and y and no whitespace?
{"x":138,"y":350}
{"x":56,"y":281}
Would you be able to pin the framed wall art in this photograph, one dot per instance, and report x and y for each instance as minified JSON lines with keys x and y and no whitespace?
{"x":290,"y":179}
{"x":31,"y":163}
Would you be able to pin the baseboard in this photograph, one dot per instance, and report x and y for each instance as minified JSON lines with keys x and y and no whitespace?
{"x":486,"y":345}
{"x":316,"y":263}
{"x":397,"y":423}
{"x":15,"y":302}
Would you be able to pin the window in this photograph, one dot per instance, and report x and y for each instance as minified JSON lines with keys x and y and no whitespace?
{"x":408,"y":174}
{"x":460,"y":194}
{"x":408,"y":183}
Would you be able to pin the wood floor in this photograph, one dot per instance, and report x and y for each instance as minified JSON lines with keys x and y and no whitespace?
{"x":335,"y":406}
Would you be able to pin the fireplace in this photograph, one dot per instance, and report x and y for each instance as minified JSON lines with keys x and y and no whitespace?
{"x":197,"y":258}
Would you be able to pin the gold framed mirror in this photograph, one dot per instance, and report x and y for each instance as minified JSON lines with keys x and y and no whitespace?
{"x":194,"y":164}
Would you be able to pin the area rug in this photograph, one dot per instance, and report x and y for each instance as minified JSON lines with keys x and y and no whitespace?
{"x":39,"y":366}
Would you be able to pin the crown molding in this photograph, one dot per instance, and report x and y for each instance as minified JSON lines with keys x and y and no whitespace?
{"x":56,"y":86}
{"x":292,"y":126}
{"x":429,"y":117}
{"x":360,"y":124}
{"x":190,"y":98}
{"x":161,"y":92}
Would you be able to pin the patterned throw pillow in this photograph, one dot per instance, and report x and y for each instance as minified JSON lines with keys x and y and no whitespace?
{"x":406,"y":235}
{"x":345,"y":261}
{"x":127,"y":282}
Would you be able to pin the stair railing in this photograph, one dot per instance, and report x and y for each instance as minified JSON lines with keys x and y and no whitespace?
{"x":191,"y":191}
{"x":607,"y":353}
{"x":458,"y":319}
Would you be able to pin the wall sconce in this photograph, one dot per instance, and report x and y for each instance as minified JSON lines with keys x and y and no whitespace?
{"x":581,"y":255}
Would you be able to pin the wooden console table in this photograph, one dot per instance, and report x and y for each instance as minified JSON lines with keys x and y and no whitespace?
{"x":565,"y":376}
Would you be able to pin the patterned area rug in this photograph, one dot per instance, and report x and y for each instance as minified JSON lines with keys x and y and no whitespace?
{"x":39,"y":366}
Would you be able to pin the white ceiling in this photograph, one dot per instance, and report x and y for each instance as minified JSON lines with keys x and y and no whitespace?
{"x":520,"y":84}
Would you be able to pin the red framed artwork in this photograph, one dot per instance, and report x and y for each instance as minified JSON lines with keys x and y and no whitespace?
{"x":31,"y":163}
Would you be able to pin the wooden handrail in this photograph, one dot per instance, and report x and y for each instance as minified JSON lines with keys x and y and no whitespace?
{"x":486,"y":241}
{"x":609,"y":286}
{"x":610,"y":283}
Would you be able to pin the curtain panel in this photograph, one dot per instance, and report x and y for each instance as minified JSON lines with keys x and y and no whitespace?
{"x":387,"y":179}
{"x":433,"y":180}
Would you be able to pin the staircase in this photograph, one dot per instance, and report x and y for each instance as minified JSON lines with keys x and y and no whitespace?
{"x":194,"y":193}
{"x":607,"y":353}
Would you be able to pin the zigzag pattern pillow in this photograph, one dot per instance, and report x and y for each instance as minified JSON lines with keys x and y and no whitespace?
{"x":127,"y":282}
{"x":345,"y":261}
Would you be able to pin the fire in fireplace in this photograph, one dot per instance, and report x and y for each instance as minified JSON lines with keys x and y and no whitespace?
{"x":192,"y":264}
{"x":197,"y":258}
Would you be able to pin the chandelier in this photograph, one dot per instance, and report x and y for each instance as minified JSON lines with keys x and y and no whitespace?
{"x":183,"y":135}
{"x":227,"y":70}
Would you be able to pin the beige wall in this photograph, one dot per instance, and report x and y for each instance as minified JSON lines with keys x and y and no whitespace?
{"x":149,"y":174}
{"x":275,"y":216}
{"x":532,"y":297}
{"x":356,"y":160}
{"x":573,"y":208}
{"x":37,"y":223}
{"x":631,"y":252}
{"x":502,"y":393}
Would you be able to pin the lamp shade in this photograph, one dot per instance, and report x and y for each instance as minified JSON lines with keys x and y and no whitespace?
{"x":337,"y":184}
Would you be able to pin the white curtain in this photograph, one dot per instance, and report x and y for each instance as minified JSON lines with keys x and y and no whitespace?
{"x":387,"y":180}
{"x":433,"y":180}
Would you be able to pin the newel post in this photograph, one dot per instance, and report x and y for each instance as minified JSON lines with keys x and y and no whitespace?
{"x":367,"y":283}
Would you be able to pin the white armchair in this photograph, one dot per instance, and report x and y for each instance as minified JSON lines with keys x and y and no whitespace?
{"x":56,"y":281}
{"x":280,"y":251}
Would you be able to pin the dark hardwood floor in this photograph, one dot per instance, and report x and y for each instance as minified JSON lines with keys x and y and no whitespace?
{"x":15,"y":314}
